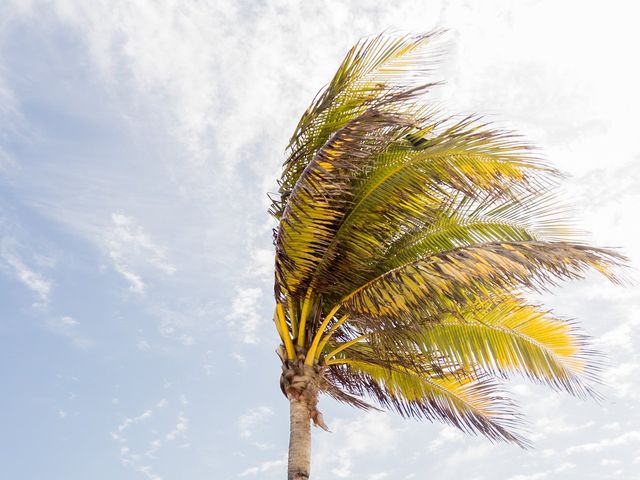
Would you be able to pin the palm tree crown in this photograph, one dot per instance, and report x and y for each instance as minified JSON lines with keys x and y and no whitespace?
{"x":406,"y":244}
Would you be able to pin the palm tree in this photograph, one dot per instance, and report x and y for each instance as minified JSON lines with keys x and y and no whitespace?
{"x":407,"y":242}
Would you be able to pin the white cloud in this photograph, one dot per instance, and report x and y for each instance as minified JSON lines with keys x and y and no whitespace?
{"x":129,"y":245}
{"x":239,"y":358}
{"x":68,"y":321}
{"x":621,"y":379}
{"x":548,"y":452}
{"x":127,"y":422}
{"x":554,"y":425}
{"x":378,"y":476}
{"x":611,"y":426}
{"x":521,"y":389}
{"x":180,"y":429}
{"x":35,"y":281}
{"x":154,"y":446}
{"x":244,"y":315}
{"x":262,"y":263}
{"x":366,"y":435}
{"x":532,"y":476}
{"x":623,"y":439}
{"x":446,"y":435}
{"x":563,"y":467}
{"x":137,"y":444}
{"x":252,"y":418}
{"x":264,"y":467}
{"x":148,"y":472}
{"x":11,"y":121}
{"x":138,"y":41}
{"x":468,"y":454}
{"x":136,"y":284}
{"x":68,"y":327}
{"x":621,"y":336}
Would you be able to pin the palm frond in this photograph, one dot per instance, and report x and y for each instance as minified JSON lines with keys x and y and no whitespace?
{"x":497,"y":336}
{"x":465,"y":222}
{"x":369,"y":70}
{"x":515,"y":337}
{"x":323,"y":192}
{"x":430,"y":285}
{"x":408,"y":187}
{"x":470,"y":404}
{"x":406,"y":242}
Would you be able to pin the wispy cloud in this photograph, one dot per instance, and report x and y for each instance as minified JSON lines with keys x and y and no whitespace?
{"x":249,"y":421}
{"x":35,"y":281}
{"x":148,"y":472}
{"x":141,"y":448}
{"x":244,"y":315}
{"x":69,"y":327}
{"x":128,"y":244}
{"x":180,"y":429}
{"x":254,"y":416}
{"x":532,"y":476}
{"x":264,"y":467}
{"x":367,"y":435}
{"x":10,"y":121}
{"x":378,"y":476}
{"x":620,"y":440}
{"x":446,"y":435}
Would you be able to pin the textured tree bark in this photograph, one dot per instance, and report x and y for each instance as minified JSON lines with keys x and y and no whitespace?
{"x":299,"y":440}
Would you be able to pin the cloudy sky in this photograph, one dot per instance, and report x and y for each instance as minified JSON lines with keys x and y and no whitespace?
{"x":138,"y":140}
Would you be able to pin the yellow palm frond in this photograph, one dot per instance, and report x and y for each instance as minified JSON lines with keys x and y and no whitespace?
{"x":471,"y":404}
{"x":406,"y":241}
{"x":323,"y":192}
{"x":498,"y":336}
{"x":431,"y":284}
{"x":369,"y":70}
{"x":516,"y":338}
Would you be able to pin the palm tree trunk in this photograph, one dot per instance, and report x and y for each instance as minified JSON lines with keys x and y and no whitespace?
{"x":299,"y":440}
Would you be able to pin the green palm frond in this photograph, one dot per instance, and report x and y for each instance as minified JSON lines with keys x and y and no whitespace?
{"x":471,"y":404}
{"x":408,"y":187}
{"x":464,"y":222}
{"x":460,"y":275}
{"x":515,"y":337}
{"x":370,"y":70}
{"x":458,"y":222}
{"x":406,"y":241}
{"x":323,"y":192}
{"x":498,"y":337}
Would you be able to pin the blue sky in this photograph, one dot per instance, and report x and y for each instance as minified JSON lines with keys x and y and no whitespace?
{"x":138,"y":141}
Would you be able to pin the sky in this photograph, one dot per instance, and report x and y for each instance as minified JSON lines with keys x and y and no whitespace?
{"x":138,"y":141}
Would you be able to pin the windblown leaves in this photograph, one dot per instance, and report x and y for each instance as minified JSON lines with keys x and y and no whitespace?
{"x":324,"y":192}
{"x":499,"y":336}
{"x":410,"y":236}
{"x":514,"y":337}
{"x":429,"y":285}
{"x":473,"y":405}
{"x":370,"y":70}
